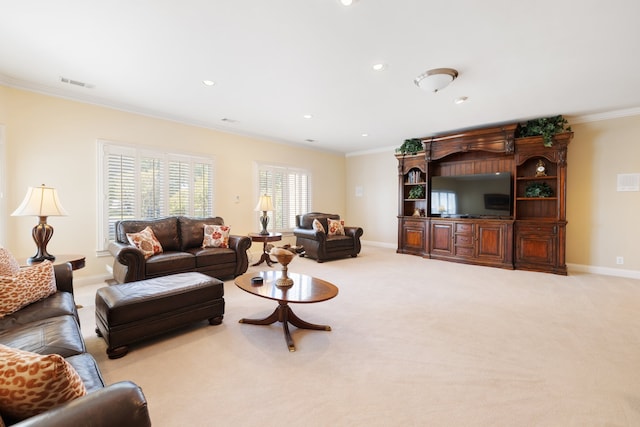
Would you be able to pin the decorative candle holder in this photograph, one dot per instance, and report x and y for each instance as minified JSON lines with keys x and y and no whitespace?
{"x":284,"y":257}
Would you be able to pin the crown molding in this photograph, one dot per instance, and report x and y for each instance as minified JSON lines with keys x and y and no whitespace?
{"x":596,"y":117}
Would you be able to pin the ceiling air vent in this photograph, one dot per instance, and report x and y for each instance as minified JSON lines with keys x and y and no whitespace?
{"x":76,"y":83}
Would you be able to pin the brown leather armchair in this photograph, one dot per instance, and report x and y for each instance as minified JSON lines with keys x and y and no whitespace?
{"x":319,"y":245}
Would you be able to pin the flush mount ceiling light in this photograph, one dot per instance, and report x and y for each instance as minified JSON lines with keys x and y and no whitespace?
{"x":347,"y":2}
{"x":436,"y":79}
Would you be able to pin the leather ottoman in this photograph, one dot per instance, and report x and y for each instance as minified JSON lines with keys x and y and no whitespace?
{"x":131,"y":312}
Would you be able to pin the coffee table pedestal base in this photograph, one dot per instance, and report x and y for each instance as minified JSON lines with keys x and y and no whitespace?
{"x":284,"y":314}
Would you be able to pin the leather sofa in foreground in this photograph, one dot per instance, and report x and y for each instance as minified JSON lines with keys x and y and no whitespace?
{"x":181,"y":239}
{"x":51,"y":326}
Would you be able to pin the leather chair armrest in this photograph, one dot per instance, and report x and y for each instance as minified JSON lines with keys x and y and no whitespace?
{"x":129,"y":264}
{"x":240,"y":244}
{"x":64,"y":277}
{"x":120,"y":404}
{"x":355,"y":232}
{"x":310,"y":234}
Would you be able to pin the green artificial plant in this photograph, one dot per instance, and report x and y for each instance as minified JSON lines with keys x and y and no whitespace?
{"x":538,"y":189}
{"x":547,"y":127}
{"x":410,"y":146}
{"x":416,"y":192}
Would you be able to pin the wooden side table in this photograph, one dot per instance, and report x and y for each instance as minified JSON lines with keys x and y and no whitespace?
{"x":265,"y":238}
{"x":77,"y":261}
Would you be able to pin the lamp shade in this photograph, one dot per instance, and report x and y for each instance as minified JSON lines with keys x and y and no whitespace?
{"x":264,"y":204}
{"x":436,"y":79}
{"x":40,"y":201}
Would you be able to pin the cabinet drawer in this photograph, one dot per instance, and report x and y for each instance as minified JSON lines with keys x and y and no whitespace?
{"x":465,"y":251}
{"x":464,"y":240}
{"x":464,"y":227}
{"x":546,"y":229}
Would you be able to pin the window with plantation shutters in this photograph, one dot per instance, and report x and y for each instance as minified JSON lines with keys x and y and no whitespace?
{"x":141,"y":183}
{"x":289,"y":189}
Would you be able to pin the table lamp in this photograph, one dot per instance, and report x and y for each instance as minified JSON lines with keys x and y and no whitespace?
{"x":264,"y":205}
{"x":41,"y":202}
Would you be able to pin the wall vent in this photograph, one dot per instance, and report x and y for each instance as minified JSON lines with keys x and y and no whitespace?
{"x":629,"y":182}
{"x":76,"y":83}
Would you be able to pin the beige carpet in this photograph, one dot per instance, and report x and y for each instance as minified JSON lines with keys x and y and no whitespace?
{"x":415,"y":342}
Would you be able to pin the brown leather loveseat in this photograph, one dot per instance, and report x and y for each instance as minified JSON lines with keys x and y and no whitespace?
{"x":322,"y":246}
{"x":181,"y":240}
{"x":51,"y":326}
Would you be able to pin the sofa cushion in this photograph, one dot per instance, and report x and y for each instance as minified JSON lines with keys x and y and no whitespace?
{"x":306,"y":220}
{"x":165,"y":230}
{"x":169,"y":263}
{"x":30,"y":284}
{"x":58,"y":304}
{"x":32,"y":383}
{"x":216,"y":236}
{"x":338,"y":242}
{"x":146,"y":241}
{"x":60,"y":335}
{"x":317,"y":226}
{"x":336,"y":228}
{"x":192,"y":230}
{"x":9,"y":266}
{"x":213,"y":256}
{"x":86,"y":366}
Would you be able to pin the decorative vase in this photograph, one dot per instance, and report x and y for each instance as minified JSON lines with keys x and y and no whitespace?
{"x":284,"y":257}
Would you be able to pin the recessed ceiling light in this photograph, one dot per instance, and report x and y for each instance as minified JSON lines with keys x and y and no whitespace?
{"x":461,"y":100}
{"x":365,"y":134}
{"x":208,"y":82}
{"x":347,"y":2}
{"x":379,"y":66}
{"x":307,"y":116}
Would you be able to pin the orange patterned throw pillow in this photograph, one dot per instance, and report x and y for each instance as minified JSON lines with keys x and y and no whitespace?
{"x":317,"y":226}
{"x":146,"y":241}
{"x":9,"y":266}
{"x":216,"y":236}
{"x":32,"y":383}
{"x":31,"y":284}
{"x":336,"y":227}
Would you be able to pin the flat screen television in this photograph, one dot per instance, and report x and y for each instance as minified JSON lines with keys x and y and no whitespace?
{"x":472,"y":196}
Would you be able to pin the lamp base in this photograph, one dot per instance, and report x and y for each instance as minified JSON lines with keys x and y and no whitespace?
{"x":41,"y":234}
{"x":264,"y":220}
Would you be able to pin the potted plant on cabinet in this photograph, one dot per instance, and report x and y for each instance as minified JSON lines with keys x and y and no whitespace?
{"x":546,"y":127}
{"x":410,"y":146}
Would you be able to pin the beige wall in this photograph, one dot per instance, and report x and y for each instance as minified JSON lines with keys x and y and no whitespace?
{"x":602,"y":222}
{"x":52,"y":141}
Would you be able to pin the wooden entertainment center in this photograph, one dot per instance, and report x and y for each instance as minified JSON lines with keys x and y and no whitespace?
{"x":523,"y":230}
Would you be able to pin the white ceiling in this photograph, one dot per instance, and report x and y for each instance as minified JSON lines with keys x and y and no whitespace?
{"x":274,"y":61}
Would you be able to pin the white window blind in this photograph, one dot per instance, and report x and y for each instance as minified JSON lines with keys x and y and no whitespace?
{"x":289,"y":191}
{"x":141,"y":183}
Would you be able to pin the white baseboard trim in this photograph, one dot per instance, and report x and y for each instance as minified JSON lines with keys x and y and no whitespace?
{"x":606,"y":271}
{"x":379,"y":244}
{"x":91,"y":280}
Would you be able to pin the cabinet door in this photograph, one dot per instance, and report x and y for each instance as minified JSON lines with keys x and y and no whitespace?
{"x":493,"y":243}
{"x":414,"y":239}
{"x":442,"y":238}
{"x":536,"y":246}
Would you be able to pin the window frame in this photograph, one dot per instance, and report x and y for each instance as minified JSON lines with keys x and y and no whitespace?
{"x":140,"y":153}
{"x":299,"y":207}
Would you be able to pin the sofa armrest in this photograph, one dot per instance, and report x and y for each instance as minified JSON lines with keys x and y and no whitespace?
{"x":307,"y":233}
{"x":240,"y":244}
{"x":64,"y":277}
{"x":119,"y":404}
{"x":128,"y":262}
{"x":355,"y":232}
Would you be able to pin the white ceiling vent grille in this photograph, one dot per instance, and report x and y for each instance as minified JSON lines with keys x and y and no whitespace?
{"x":629,"y":182}
{"x":76,"y":83}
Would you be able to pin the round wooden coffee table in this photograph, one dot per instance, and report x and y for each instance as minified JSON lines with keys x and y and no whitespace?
{"x":305,"y":289}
